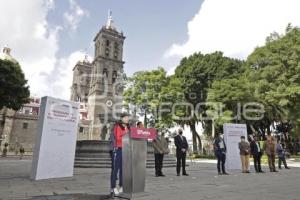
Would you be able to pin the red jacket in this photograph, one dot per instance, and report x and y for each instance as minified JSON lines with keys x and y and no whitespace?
{"x":119,"y":132}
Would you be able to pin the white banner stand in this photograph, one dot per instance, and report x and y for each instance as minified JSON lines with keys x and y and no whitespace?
{"x":232,"y":137}
{"x":54,"y":152}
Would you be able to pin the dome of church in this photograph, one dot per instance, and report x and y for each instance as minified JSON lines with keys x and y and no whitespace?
{"x":5,"y":55}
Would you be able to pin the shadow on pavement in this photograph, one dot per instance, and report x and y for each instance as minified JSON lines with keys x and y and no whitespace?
{"x":71,"y":197}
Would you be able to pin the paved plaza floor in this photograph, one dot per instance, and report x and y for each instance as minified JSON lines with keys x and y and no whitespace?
{"x":203,"y":183}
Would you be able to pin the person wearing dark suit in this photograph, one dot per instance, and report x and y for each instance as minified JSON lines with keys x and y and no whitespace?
{"x":220,"y":153}
{"x":257,"y":153}
{"x":281,"y":154}
{"x":181,"y":149}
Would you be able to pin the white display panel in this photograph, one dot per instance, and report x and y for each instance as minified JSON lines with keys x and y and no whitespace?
{"x":54,"y":151}
{"x":232,"y":137}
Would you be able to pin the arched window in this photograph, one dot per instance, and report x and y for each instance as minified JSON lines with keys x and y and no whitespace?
{"x":107,"y":52}
{"x":116,"y":50}
{"x":105,"y":73}
{"x":114,"y":76}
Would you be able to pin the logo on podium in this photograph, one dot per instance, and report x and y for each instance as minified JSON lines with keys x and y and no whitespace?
{"x":145,"y":133}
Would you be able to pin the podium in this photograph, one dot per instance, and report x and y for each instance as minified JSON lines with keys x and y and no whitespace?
{"x":134,"y":160}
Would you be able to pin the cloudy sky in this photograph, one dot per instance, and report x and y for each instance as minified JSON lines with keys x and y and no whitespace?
{"x":48,"y":37}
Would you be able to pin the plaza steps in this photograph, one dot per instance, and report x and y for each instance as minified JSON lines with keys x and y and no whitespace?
{"x":100,"y":162}
{"x":95,"y":154}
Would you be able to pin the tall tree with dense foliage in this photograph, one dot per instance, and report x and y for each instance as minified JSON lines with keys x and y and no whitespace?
{"x":14,"y":91}
{"x":276,"y":72}
{"x":271,"y":78}
{"x":197,"y":74}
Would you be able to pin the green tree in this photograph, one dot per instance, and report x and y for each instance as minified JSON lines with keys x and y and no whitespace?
{"x":196,"y":75}
{"x":277,"y":75}
{"x":143,"y":91}
{"x":271,"y":78}
{"x":14,"y":91}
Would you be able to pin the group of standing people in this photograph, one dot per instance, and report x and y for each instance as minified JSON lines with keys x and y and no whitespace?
{"x":19,"y":149}
{"x":160,"y":145}
{"x":256,"y":148}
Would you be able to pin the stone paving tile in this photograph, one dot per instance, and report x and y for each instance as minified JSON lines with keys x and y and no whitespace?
{"x":203,"y":183}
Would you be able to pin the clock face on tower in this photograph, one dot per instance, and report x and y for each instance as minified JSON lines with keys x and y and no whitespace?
{"x":109,"y":103}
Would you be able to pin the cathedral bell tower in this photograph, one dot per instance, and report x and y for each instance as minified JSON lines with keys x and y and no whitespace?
{"x":105,"y":93}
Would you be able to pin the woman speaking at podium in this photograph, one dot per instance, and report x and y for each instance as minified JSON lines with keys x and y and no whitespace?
{"x":120,"y":129}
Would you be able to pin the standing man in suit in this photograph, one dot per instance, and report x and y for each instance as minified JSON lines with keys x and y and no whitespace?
{"x":281,"y":154}
{"x":220,"y":153}
{"x":257,"y":153}
{"x":181,"y":149}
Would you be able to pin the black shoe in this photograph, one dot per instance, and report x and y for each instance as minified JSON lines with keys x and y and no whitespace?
{"x":156,"y":175}
{"x":178,"y":174}
{"x":279,"y":168}
{"x":185,"y":174}
{"x":219,"y":173}
{"x":261,"y":171}
{"x":275,"y":170}
{"x":162,"y":175}
{"x":247,"y":172}
{"x":287,"y":168}
{"x":112,"y":195}
{"x":225,"y":173}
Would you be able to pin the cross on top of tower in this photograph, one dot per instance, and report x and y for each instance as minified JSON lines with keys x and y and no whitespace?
{"x":110,"y":21}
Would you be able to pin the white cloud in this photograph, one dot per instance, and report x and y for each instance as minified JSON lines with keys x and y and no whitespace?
{"x":74,"y":15}
{"x":171,"y":71}
{"x":35,"y":45}
{"x":50,"y":4}
{"x":61,"y":77}
{"x":24,"y":28}
{"x":236,"y":27}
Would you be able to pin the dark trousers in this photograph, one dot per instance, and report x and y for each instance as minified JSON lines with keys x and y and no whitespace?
{"x":271,"y":162}
{"x":158,"y":163}
{"x":181,"y":159}
{"x":4,"y":152}
{"x":221,"y":162}
{"x":282,"y":159}
{"x":116,"y":168}
{"x":257,"y":162}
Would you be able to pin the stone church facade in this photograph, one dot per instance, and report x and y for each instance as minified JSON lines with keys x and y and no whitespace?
{"x":97,"y":85}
